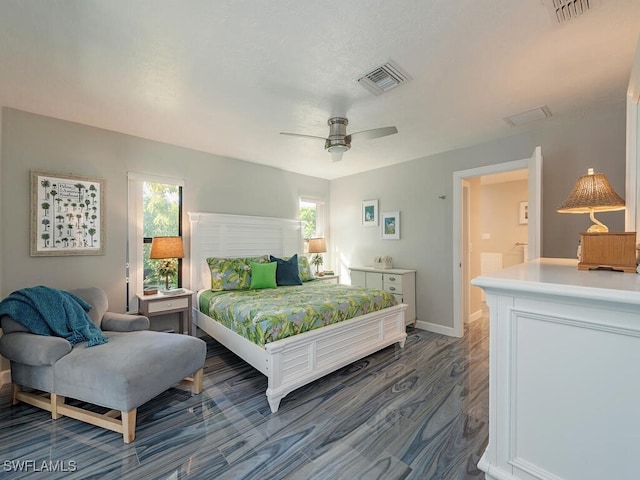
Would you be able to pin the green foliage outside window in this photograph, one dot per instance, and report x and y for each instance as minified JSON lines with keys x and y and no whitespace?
{"x":308,"y":215}
{"x":161,"y":213}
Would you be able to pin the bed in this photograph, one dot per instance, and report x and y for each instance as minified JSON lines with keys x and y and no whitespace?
{"x":288,"y":363}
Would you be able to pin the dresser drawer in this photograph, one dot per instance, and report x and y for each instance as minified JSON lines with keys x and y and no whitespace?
{"x":170,"y":304}
{"x":392,"y":282}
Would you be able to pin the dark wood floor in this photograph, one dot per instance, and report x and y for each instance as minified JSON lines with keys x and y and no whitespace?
{"x":415,"y":413}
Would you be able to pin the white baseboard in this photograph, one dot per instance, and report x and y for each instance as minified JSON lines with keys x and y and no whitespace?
{"x":433,"y":327}
{"x":5,"y":377}
{"x":477,"y":315}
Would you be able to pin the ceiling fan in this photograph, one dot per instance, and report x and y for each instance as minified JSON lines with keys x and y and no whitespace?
{"x":339,"y":142}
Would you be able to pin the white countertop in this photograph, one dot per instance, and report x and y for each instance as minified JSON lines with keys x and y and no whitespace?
{"x":559,"y":276}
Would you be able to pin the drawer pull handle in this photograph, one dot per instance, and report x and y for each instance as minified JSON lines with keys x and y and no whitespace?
{"x":392,"y":288}
{"x":393,"y":279}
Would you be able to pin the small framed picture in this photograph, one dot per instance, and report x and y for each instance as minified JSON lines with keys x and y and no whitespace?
{"x":391,"y":225}
{"x":369,"y":213}
{"x":523,"y":213}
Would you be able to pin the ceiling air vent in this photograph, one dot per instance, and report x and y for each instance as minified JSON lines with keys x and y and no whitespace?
{"x":537,"y":113}
{"x":562,"y":11}
{"x":383,"y":78}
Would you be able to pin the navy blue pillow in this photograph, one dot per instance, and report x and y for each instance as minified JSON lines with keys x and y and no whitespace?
{"x":287,"y":272}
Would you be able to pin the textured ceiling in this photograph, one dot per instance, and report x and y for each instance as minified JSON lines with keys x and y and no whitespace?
{"x":227,"y":76}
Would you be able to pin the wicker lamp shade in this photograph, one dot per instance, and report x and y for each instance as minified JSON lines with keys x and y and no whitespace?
{"x":166,"y":247}
{"x":317,"y":245}
{"x":592,"y":193}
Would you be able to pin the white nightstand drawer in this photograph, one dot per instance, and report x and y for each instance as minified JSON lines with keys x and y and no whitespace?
{"x":392,"y":282}
{"x":170,"y":304}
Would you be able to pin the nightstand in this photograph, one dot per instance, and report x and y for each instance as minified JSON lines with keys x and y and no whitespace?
{"x":154,"y":305}
{"x":329,"y":278}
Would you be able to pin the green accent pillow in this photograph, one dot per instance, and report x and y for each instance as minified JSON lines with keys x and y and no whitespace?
{"x":263,"y":275}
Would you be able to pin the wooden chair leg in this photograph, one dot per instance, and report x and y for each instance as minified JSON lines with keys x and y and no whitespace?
{"x":129,"y":425}
{"x":54,"y":405}
{"x":56,"y":402}
{"x":196,"y":387}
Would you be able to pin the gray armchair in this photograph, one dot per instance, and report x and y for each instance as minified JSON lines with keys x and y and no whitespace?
{"x":132,"y":368}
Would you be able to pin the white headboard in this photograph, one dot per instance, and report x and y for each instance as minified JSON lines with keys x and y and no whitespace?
{"x":223,"y":235}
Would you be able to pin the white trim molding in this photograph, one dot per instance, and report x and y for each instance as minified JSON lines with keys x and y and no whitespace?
{"x":435,"y":328}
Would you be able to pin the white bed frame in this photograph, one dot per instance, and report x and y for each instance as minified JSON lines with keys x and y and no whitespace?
{"x":296,"y":361}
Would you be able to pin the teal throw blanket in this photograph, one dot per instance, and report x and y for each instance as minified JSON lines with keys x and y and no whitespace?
{"x":51,"y":312}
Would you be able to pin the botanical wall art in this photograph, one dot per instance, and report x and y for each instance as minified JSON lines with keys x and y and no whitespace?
{"x":391,"y":225}
{"x":67,"y":215}
{"x":369,"y":213}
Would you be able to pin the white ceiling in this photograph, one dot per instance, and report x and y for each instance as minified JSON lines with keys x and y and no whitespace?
{"x":227,"y":76}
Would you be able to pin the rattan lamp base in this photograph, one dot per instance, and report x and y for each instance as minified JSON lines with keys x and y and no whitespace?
{"x":611,"y":250}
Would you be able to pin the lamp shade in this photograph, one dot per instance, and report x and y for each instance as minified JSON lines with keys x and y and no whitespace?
{"x":592,"y":193}
{"x":166,"y":247}
{"x":317,"y":245}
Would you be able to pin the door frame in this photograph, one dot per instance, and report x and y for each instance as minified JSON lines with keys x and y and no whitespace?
{"x":534,"y":165}
{"x":465,"y":231}
{"x":632,"y":213}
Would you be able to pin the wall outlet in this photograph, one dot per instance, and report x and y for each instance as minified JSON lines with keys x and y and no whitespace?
{"x":486,"y":236}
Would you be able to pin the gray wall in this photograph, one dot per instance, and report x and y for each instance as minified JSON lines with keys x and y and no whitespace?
{"x":569,"y":147}
{"x":212,"y":183}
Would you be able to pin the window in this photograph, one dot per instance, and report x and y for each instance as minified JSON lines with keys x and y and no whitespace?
{"x":312,"y":213}
{"x":161,"y":206}
{"x":155,"y":209}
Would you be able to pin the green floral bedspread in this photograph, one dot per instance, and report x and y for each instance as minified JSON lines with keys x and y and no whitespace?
{"x":264,"y":316}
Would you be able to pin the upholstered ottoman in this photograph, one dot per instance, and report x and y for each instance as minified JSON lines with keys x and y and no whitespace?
{"x":132,"y":368}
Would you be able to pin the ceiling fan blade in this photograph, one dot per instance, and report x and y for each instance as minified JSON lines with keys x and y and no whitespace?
{"x":301,"y":135}
{"x":376,"y":132}
{"x":336,"y":156}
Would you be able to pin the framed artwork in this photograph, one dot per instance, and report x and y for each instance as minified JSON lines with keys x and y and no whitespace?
{"x":523,"y":213}
{"x":369,"y":213}
{"x":391,"y":225}
{"x":67,"y":215}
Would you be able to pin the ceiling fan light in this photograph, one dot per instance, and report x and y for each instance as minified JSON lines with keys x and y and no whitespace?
{"x":338,"y":148}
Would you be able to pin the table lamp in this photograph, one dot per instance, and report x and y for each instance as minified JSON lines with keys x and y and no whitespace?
{"x":592,"y":193}
{"x":167,"y":249}
{"x":600,"y":248}
{"x":317,"y":246}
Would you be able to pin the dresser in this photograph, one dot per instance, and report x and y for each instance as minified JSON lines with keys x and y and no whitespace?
{"x":398,"y":281}
{"x":564,"y":356}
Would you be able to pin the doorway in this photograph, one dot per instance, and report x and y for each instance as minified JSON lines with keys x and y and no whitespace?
{"x":461,"y":227}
